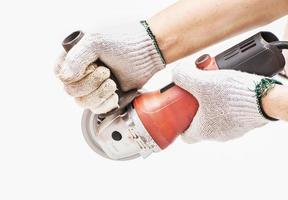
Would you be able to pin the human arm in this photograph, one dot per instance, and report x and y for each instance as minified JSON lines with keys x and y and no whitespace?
{"x":131,"y":53}
{"x":188,"y":26}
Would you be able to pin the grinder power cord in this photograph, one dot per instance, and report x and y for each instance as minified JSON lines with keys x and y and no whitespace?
{"x":219,"y":105}
{"x":285,"y":37}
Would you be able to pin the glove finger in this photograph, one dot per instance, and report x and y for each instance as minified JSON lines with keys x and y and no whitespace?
{"x":98,"y":96}
{"x":124,"y":99}
{"x":110,"y":104}
{"x":78,"y":59}
{"x":193,"y":133}
{"x":206,"y":127}
{"x":59,"y":63}
{"x":89,"y":83}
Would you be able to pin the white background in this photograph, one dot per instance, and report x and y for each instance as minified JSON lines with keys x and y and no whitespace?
{"x":44,"y":156}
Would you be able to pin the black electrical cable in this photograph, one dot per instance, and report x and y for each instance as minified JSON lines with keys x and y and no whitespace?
{"x":280,"y":44}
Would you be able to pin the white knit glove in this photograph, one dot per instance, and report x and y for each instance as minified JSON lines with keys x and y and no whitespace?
{"x":129,"y":52}
{"x":228,"y":105}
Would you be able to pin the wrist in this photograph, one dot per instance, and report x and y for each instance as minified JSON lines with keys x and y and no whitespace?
{"x":275,"y":103}
{"x":154,"y":40}
{"x":167,"y":40}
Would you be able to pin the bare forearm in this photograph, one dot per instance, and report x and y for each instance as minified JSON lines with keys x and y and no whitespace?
{"x":275,"y":104}
{"x":188,"y":26}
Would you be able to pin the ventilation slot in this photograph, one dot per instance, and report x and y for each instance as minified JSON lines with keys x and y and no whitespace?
{"x":246,"y":42}
{"x":248,"y":45}
{"x":227,"y":57}
{"x":231,"y":53}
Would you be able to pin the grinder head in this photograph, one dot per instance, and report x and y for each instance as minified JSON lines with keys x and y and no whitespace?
{"x":119,"y":136}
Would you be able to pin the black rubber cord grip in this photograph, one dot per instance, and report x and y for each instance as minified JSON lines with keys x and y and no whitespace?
{"x":256,"y":55}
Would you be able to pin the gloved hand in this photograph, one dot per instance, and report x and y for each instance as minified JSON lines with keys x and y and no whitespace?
{"x":129,"y":52}
{"x":228,"y":106}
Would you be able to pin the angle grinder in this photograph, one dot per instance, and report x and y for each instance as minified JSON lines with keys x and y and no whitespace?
{"x":151,"y":121}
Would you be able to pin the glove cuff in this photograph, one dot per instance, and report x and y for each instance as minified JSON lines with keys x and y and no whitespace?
{"x":152,"y":36}
{"x":244,"y":103}
{"x":261,"y":90}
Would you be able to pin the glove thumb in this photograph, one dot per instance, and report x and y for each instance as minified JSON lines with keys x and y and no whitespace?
{"x":191,"y":79}
{"x":77,"y":61}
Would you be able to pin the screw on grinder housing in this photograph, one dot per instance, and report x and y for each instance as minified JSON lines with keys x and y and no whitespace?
{"x":154,"y":119}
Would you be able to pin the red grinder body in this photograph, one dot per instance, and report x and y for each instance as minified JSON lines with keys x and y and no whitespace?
{"x":168,"y":112}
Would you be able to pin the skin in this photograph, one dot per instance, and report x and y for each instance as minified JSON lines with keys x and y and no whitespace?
{"x":275,"y":104}
{"x":188,"y":26}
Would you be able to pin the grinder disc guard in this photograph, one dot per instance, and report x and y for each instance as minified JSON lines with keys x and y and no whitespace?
{"x":117,"y":136}
{"x":89,"y":129}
